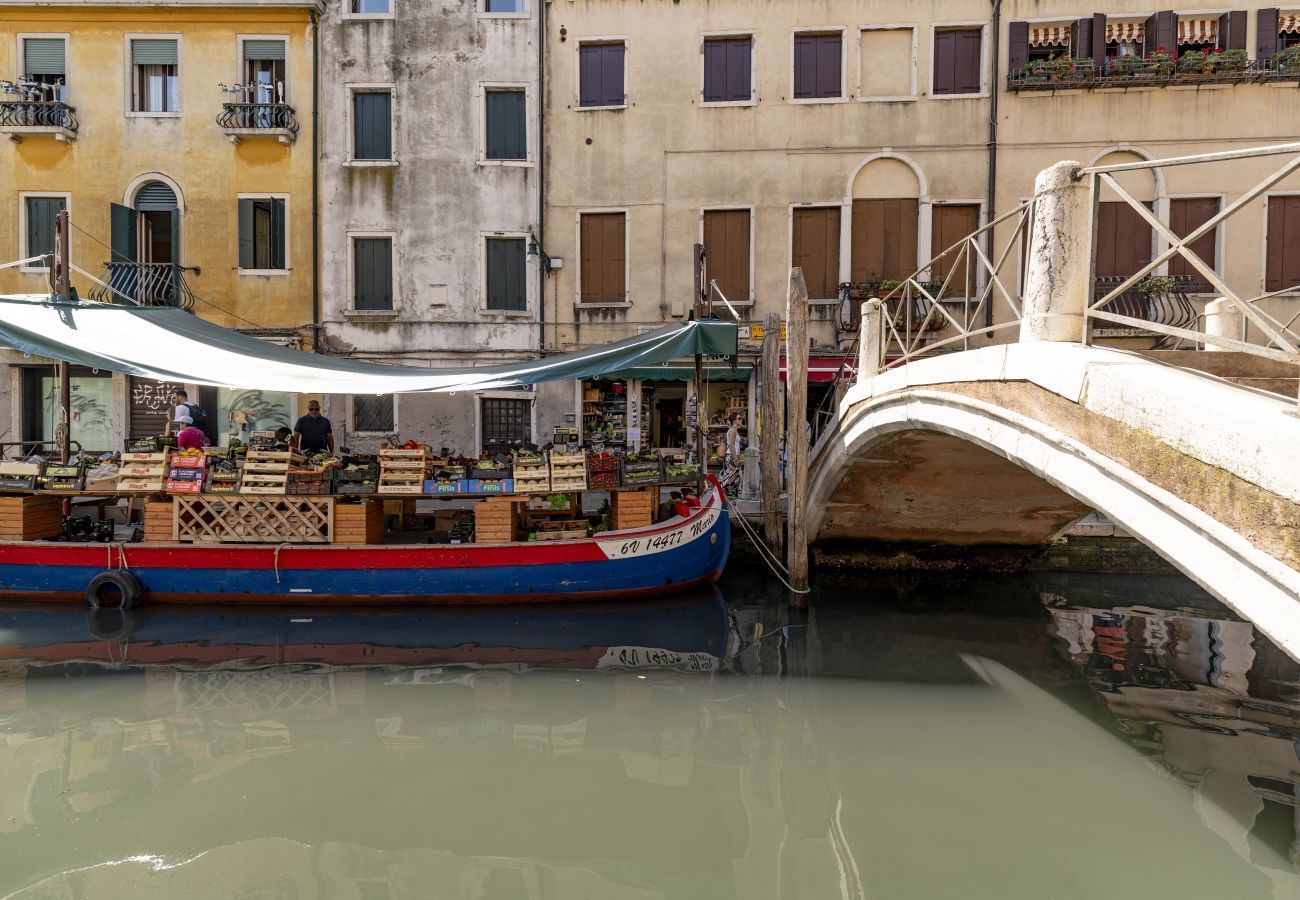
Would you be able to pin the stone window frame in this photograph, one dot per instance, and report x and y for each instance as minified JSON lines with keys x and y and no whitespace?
{"x":916,"y":59}
{"x":530,"y":156}
{"x":370,"y":87}
{"x":752,"y":34}
{"x":753,"y":238}
{"x":985,"y":86}
{"x":350,"y":310}
{"x":288,"y":230}
{"x":349,"y":16}
{"x":529,"y":298}
{"x":842,"y":31}
{"x":129,"y":75}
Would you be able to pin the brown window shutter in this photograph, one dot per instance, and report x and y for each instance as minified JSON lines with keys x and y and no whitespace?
{"x":1017,"y":47}
{"x":726,"y":245}
{"x":816,"y":250}
{"x":1099,"y":39}
{"x":1282,"y":267}
{"x":970,"y":46}
{"x":603,"y":258}
{"x":945,"y":62}
{"x":616,"y":254}
{"x":949,"y":224}
{"x":1232,"y":30}
{"x":1266,"y":33}
{"x":884,"y":239}
{"x":1081,"y":39}
{"x":1123,"y":239}
{"x":1185,"y":216}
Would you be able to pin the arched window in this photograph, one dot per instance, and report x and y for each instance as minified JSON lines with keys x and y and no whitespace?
{"x":886,"y":213}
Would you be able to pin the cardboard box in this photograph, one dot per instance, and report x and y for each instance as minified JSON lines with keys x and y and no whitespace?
{"x":496,"y":486}
{"x":442,"y":487}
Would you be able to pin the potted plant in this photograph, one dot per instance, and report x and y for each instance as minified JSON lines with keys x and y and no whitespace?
{"x":1196,"y":62}
{"x":1287,"y":60}
{"x":1125,"y":65}
{"x":1155,"y":286}
{"x":1229,"y":60}
{"x":1052,"y":68}
{"x":1162,"y":62}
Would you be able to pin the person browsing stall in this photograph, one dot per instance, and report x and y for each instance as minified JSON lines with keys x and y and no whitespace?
{"x":313,"y":431}
{"x":188,"y":436}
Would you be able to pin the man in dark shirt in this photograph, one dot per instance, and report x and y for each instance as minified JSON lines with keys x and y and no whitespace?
{"x":313,"y":431}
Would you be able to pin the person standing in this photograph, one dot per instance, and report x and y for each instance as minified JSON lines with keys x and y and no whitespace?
{"x":188,"y":435}
{"x":313,"y":432}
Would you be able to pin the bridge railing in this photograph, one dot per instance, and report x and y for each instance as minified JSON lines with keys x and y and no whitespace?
{"x":1239,"y":311}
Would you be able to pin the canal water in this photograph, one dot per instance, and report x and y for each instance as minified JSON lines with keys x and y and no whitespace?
{"x":1028,"y":737}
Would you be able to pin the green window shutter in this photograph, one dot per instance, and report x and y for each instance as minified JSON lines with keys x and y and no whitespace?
{"x":506,"y":284}
{"x":264,"y":50}
{"x":155,"y":197}
{"x":372,"y":275}
{"x":153,"y":52}
{"x":507,"y":132}
{"x":41,"y":215}
{"x":278,"y":236}
{"x":247,"y":257}
{"x":43,"y":56}
{"x":372,"y":125}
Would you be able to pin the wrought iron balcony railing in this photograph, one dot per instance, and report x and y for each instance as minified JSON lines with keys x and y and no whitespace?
{"x":1163,"y":307}
{"x":145,"y":284}
{"x":18,"y":116}
{"x":250,"y":119}
{"x":1131,"y":72}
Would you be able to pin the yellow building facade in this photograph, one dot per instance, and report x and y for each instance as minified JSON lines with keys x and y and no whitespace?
{"x":180,"y":139}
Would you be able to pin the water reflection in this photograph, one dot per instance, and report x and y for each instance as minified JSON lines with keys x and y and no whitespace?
{"x":902,"y":739}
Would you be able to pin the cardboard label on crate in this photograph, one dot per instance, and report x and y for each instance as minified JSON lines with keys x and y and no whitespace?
{"x":144,"y":457}
{"x":498,"y":486}
{"x":184,"y":487}
{"x":442,"y":487}
{"x":181,"y":461}
{"x":154,"y":485}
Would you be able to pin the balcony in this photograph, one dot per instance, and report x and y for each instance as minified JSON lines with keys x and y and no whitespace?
{"x":241,"y":121}
{"x":144,"y":284}
{"x":1157,"y":299}
{"x":1136,"y":72}
{"x":37,"y":118}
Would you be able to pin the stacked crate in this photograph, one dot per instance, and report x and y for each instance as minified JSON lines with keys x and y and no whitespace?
{"x":633,"y":509}
{"x":19,"y":476}
{"x":359,"y":523}
{"x":603,"y":470}
{"x":30,"y":518}
{"x":142,"y":473}
{"x":494,"y":521}
{"x":568,"y":471}
{"x":532,"y":474}
{"x":185,"y":473}
{"x":158,"y":527}
{"x":404,"y":471}
{"x":267,"y":471}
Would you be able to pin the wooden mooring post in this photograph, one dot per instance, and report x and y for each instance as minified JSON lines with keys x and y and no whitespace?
{"x":796,"y":443}
{"x":770,"y":437}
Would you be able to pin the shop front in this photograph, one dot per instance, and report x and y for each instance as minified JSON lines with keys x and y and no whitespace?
{"x":826,"y":376}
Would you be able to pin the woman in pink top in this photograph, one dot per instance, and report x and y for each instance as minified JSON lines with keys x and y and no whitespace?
{"x":187,"y":436}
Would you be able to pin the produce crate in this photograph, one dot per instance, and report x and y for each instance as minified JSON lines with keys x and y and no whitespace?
{"x":19,"y":476}
{"x":605,"y":481}
{"x":533,"y":480}
{"x":494,"y":521}
{"x":641,"y":472}
{"x":489,"y":473}
{"x":404,"y":471}
{"x":496,"y":486}
{"x":568,"y":471}
{"x":204,"y":518}
{"x":57,"y":477}
{"x":142,"y":473}
{"x":571,"y":530}
{"x":225,"y":481}
{"x":680,"y":472}
{"x":267,"y":471}
{"x":185,"y":473}
{"x":145,"y":445}
{"x":159,"y":523}
{"x":633,"y":509}
{"x":30,"y":518}
{"x":604,"y":461}
{"x":311,"y":483}
{"x":434,"y":486}
{"x":262,"y":441}
{"x":359,"y":523}
{"x":186,"y":461}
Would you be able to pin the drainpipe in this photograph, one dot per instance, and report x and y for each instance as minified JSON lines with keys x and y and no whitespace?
{"x":317,"y":338}
{"x":995,"y":85}
{"x":541,"y":176}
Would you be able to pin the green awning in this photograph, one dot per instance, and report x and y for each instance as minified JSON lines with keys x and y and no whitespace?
{"x":174,"y":345}
{"x":680,"y":371}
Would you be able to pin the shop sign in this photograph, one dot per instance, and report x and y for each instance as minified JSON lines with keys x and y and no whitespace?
{"x":757,"y":331}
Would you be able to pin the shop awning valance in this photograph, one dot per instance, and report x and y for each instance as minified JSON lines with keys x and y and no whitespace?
{"x":1125,"y":31}
{"x":1049,"y":35}
{"x":1288,"y":23}
{"x":682,"y":372}
{"x":173,"y":345}
{"x":1197,"y":31}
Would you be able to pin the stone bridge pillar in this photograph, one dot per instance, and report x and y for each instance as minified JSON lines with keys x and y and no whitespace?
{"x":1222,"y":320}
{"x":871,"y":343}
{"x":1058,"y":275}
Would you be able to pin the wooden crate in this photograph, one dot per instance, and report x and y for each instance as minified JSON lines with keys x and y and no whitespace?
{"x":142,"y":473}
{"x":159,"y":522}
{"x":633,"y":509}
{"x":495,"y":521}
{"x":239,"y":519}
{"x":267,"y":471}
{"x":30,"y":518}
{"x":359,"y":523}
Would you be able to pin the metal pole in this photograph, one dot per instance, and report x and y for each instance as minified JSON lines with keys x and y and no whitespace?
{"x":62,"y":290}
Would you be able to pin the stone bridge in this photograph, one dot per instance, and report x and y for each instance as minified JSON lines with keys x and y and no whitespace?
{"x":1007,"y":446}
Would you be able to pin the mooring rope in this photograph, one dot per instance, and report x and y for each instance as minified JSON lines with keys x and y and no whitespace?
{"x":768,"y":556}
{"x":277,"y":559}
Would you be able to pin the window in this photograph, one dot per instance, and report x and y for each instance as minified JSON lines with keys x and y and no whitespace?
{"x":884,"y":239}
{"x":602,"y":240}
{"x":517,"y":7}
{"x":262,"y":233}
{"x":817,"y":66}
{"x":1186,"y":214}
{"x":372,"y":125}
{"x":888,"y":62}
{"x":92,"y":398}
{"x":1123,"y":240}
{"x":506,"y":424}
{"x":958,"y":64}
{"x":726,"y":252}
{"x":600,"y":75}
{"x":45,"y":62}
{"x":39,"y":214}
{"x":155,"y":76}
{"x":372,"y":273}
{"x":505,"y":112}
{"x":727,"y":70}
{"x":1282,"y":267}
{"x":816,"y":250}
{"x":264,"y":71}
{"x":370,"y":7}
{"x":507,"y":286}
{"x":949,"y":223}
{"x":374,"y":413}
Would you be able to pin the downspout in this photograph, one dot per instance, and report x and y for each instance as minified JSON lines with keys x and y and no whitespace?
{"x":541,"y":177}
{"x":317,"y":336}
{"x":995,"y":86}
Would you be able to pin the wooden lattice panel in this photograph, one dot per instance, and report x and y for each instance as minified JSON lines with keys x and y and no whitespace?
{"x":236,"y":519}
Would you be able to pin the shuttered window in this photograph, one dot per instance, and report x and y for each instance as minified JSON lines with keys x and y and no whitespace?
{"x":506,"y":424}
{"x":507,"y":287}
{"x":372,"y":125}
{"x":726,"y":251}
{"x":272,"y":50}
{"x":507,"y":130}
{"x":261,"y":233}
{"x":155,"y":76}
{"x":727,"y":71}
{"x":41,"y":215}
{"x":1282,"y":268}
{"x":817,"y":66}
{"x":600,"y":75}
{"x":816,"y":250}
{"x":949,"y":223}
{"x":1187,"y":214}
{"x":884,"y":239}
{"x":505,"y":6}
{"x":372,"y":273}
{"x":958,"y":65}
{"x":1123,"y":240}
{"x":603,"y":253}
{"x":44,"y":56}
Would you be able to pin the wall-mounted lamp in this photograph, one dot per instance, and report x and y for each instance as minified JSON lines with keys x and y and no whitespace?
{"x":536,"y":252}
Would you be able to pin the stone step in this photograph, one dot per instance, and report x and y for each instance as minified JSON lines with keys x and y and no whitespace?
{"x":1229,"y":364}
{"x":1287,"y":387}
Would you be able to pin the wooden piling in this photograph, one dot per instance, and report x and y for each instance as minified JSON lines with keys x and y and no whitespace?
{"x":796,"y":384}
{"x":770,"y":437}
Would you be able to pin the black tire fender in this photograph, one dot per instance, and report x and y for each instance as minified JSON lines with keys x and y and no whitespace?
{"x":124,"y":582}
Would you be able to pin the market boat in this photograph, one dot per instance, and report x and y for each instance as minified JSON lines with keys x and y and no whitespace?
{"x":668,"y":556}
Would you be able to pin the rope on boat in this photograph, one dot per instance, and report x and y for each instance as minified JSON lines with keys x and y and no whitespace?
{"x":768,"y":556}
{"x":121,"y":552}
{"x":277,"y":559}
